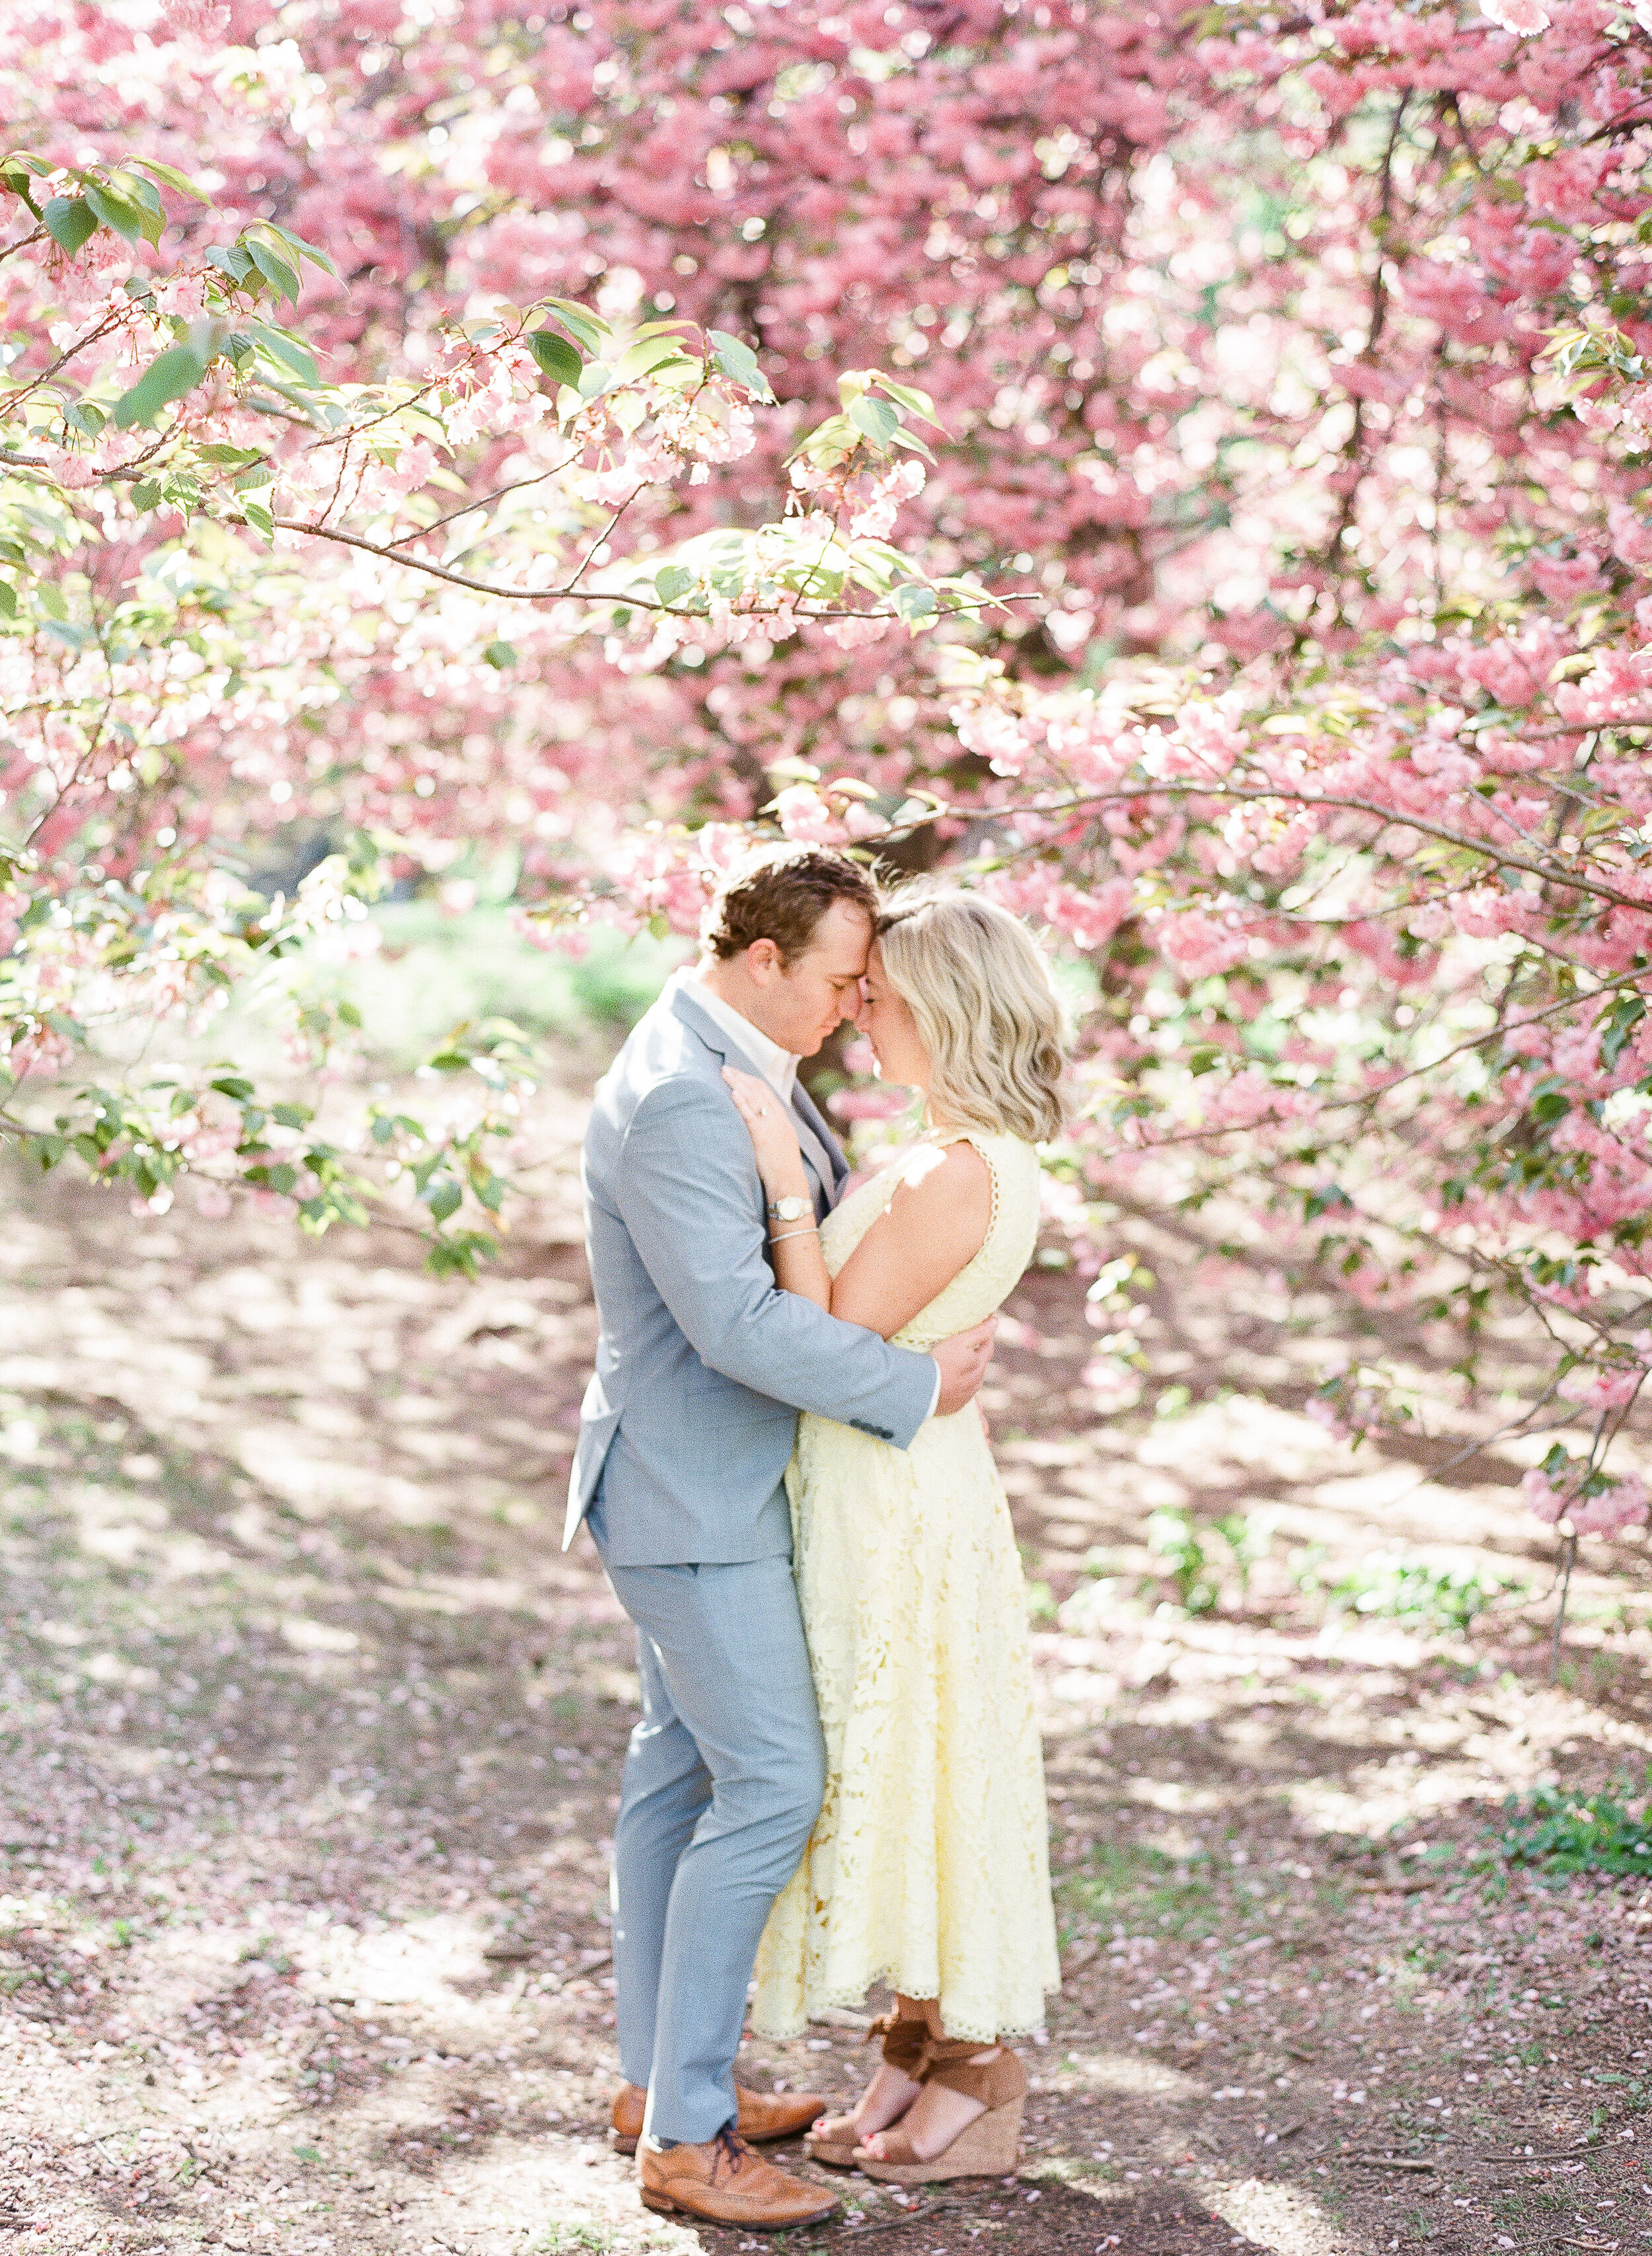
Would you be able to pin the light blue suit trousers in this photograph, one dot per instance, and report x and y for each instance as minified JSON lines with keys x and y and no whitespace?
{"x":723,"y":1783}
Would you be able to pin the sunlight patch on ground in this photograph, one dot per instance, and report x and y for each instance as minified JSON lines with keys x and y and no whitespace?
{"x":1122,"y":2071}
{"x":413,"y":1964}
{"x":1282,"y":2218}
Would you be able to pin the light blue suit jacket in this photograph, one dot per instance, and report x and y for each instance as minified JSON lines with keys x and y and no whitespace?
{"x":703,"y":1364}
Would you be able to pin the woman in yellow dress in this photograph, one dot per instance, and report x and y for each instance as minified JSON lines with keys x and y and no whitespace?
{"x":928,"y":1866}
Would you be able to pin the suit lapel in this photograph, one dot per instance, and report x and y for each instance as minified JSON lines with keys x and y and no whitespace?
{"x":813,"y":1135}
{"x":820,"y":1145}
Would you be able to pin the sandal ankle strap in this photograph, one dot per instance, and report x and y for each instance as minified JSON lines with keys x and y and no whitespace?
{"x":904,"y":2042}
{"x":953,"y":2064}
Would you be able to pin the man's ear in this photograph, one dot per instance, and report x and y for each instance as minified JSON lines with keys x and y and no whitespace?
{"x":763,"y":962}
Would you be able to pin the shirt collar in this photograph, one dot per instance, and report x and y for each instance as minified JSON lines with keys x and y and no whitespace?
{"x":778,"y":1067}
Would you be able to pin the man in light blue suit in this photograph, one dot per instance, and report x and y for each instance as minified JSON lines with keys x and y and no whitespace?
{"x":685,"y":1433}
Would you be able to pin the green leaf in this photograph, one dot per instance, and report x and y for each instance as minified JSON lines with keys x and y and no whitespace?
{"x":230,"y":458}
{"x":145,"y":496}
{"x":69,"y":221}
{"x":177,"y":371}
{"x":875,"y":419}
{"x":133,"y":189}
{"x":914,"y":603}
{"x":230,"y":259}
{"x":673,"y":580}
{"x":281,"y":278}
{"x":232,"y":1085}
{"x":448,"y":1061}
{"x":288,"y":352}
{"x":640,"y":359}
{"x":14,"y":175}
{"x":908,"y":396}
{"x":499,"y":654}
{"x":1616,"y":1026}
{"x":8,"y":600}
{"x":444,"y":1197}
{"x":170,"y":177}
{"x":117,"y":211}
{"x":556,"y":357}
{"x":738,"y":362}
{"x":588,"y":330}
{"x":304,"y":250}
{"x":914,"y":445}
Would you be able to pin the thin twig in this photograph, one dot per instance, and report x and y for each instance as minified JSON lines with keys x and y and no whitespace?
{"x":1560,"y":1612}
{"x":24,"y":241}
{"x":423,"y":532}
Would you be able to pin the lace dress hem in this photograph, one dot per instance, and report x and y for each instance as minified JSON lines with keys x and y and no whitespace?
{"x":854,"y":2001}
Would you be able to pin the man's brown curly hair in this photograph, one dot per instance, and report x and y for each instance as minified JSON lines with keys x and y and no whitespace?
{"x":781,"y":894}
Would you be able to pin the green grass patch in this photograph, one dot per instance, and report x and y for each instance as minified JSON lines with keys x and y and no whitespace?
{"x":1563,"y":1832}
{"x":1415,"y":1590}
{"x":1125,"y":1884}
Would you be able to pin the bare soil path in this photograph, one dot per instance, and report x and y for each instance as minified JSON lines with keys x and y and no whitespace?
{"x":313,"y":1738}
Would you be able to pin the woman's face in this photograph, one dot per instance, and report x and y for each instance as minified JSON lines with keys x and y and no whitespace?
{"x":889,"y":1026}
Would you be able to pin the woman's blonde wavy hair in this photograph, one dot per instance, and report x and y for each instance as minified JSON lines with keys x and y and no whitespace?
{"x":979,"y":988}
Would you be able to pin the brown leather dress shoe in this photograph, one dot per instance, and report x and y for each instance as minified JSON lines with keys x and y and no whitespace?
{"x":764,"y":2115}
{"x":723,"y":2182}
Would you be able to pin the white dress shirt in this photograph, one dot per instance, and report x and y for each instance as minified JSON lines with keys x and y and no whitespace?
{"x":778,"y":1067}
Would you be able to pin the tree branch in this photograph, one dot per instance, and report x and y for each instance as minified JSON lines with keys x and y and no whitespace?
{"x":568,"y":593}
{"x":1272,"y":795}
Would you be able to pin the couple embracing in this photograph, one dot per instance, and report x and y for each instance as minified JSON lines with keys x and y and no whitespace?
{"x":837,"y":1776}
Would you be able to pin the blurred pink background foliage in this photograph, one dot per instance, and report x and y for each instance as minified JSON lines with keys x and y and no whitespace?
{"x":1223,"y":538}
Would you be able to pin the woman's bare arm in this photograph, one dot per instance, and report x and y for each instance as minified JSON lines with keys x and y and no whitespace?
{"x":935,"y":1224}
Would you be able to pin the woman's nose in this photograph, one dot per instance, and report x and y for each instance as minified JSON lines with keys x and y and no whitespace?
{"x":863,"y":1013}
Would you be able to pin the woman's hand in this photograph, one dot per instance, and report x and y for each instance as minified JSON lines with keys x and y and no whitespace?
{"x":779,"y":1160}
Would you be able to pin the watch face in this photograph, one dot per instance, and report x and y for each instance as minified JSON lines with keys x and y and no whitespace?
{"x":790,"y":1210}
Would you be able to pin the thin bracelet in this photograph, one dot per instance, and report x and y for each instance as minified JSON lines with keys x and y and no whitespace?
{"x":809,"y":1231}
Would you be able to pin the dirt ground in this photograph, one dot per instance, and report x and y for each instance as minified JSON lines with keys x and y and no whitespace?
{"x":312,"y":1739}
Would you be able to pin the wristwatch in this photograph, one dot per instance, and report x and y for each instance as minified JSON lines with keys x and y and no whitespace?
{"x":789,"y":1209}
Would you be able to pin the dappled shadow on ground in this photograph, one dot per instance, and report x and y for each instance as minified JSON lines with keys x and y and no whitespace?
{"x":1051,"y":2220}
{"x":313,"y":1741}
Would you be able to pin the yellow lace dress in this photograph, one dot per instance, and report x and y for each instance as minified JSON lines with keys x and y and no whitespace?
{"x":928,"y":1868}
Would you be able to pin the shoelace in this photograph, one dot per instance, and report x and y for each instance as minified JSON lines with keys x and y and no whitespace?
{"x":729,"y":2150}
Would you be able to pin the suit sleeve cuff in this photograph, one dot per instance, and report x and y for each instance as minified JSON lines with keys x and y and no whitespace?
{"x":936,"y":1397}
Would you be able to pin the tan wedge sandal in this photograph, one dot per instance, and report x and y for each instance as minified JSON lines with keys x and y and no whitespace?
{"x":987,"y":2147}
{"x":834,"y":2138}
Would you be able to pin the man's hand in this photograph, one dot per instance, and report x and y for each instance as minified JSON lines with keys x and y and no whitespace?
{"x":963,"y":1360}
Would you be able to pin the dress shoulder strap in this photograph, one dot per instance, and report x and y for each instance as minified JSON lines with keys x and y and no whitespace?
{"x":984,"y":1143}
